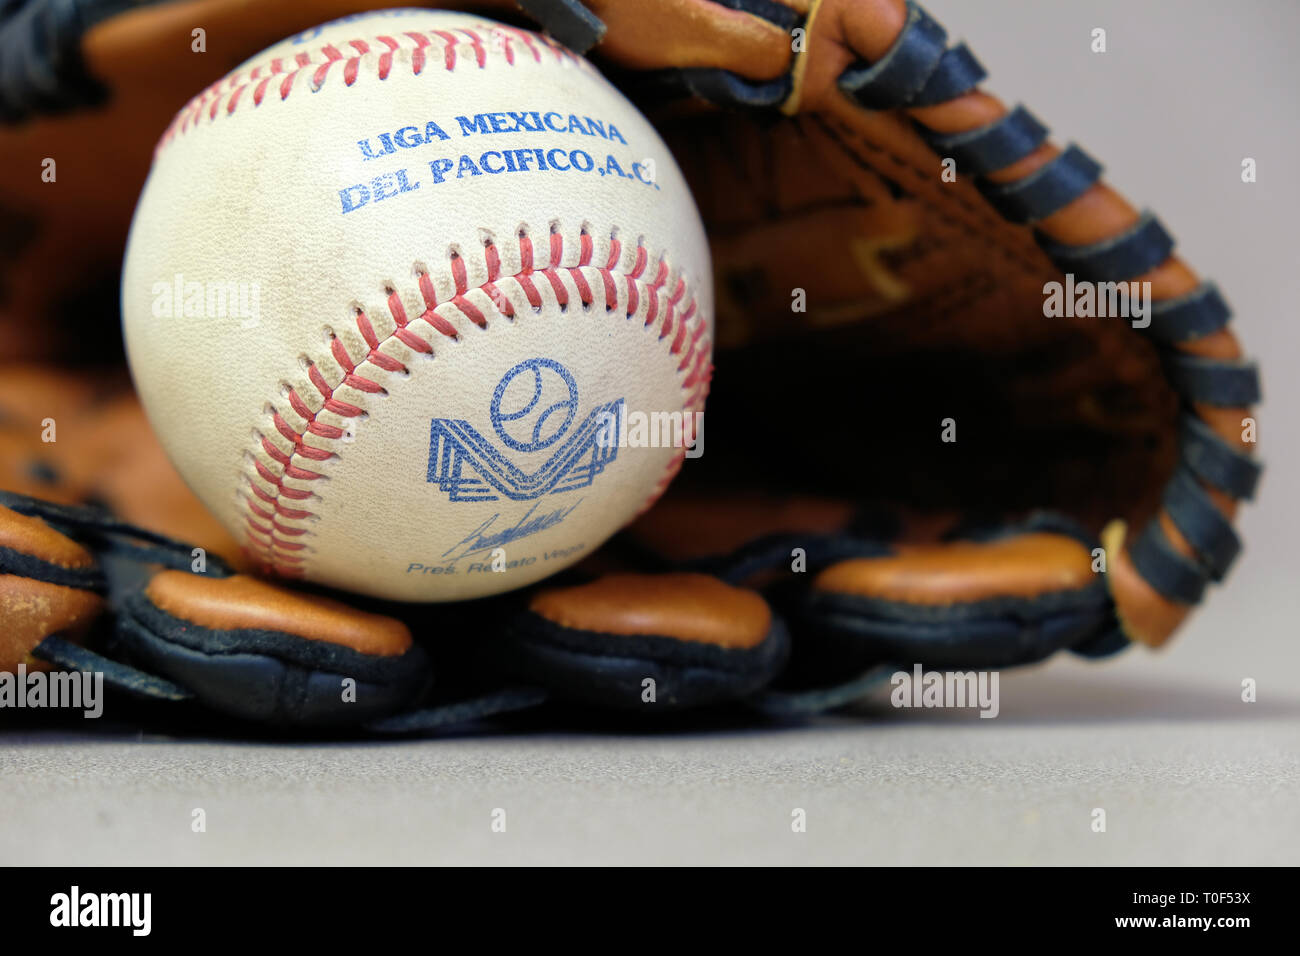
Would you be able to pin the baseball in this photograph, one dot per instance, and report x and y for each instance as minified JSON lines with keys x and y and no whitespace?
{"x":419,"y":305}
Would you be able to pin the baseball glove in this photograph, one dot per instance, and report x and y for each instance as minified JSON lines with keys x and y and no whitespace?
{"x":910,"y":457}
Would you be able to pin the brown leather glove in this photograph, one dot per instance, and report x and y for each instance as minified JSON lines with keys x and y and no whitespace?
{"x":870,"y":311}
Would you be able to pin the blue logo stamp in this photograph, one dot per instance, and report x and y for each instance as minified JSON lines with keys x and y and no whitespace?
{"x":524,"y":423}
{"x":532,"y":410}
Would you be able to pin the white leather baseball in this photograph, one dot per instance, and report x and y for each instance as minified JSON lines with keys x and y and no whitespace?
{"x":382,"y":280}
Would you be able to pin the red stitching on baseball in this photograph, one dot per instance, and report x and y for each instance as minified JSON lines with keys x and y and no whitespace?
{"x":231,"y":88}
{"x":268,"y":541}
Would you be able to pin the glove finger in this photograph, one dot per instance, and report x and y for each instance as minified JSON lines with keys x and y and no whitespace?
{"x":50,"y":585}
{"x":261,"y":652}
{"x":686,"y":34}
{"x":1013,"y":600}
{"x":645,"y":641}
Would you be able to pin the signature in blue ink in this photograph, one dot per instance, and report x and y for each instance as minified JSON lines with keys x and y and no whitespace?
{"x":480,"y":539}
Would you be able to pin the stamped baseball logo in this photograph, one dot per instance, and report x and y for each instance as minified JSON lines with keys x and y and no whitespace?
{"x":532,"y":411}
{"x":470,"y":259}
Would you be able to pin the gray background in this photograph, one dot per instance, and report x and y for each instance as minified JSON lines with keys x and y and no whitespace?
{"x":1186,"y":772}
